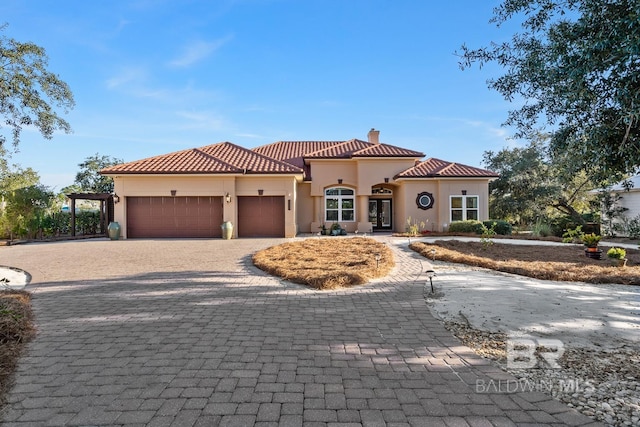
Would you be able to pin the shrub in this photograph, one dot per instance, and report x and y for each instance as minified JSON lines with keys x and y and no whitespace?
{"x":631,"y":227}
{"x":541,"y":229}
{"x":468,"y":226}
{"x":616,"y":253}
{"x":573,"y":235}
{"x":500,"y":226}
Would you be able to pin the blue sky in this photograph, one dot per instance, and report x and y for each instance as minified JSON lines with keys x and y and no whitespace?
{"x":155,"y":76}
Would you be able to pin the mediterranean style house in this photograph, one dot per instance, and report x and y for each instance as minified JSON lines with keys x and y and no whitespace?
{"x":292,"y":187}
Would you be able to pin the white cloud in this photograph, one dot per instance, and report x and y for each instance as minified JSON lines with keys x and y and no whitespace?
{"x":206,"y":120}
{"x":126,"y":76}
{"x":198,"y":51}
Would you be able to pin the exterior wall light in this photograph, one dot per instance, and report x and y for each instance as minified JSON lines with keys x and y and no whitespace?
{"x":116,"y":198}
{"x":173,"y":192}
{"x":386,"y":180}
{"x":464,"y":192}
{"x":227,"y":197}
{"x":260,"y":192}
{"x":339,"y":180}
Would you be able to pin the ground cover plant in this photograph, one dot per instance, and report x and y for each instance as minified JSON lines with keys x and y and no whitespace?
{"x":561,"y":262}
{"x":327,"y":262}
{"x":16,"y":329}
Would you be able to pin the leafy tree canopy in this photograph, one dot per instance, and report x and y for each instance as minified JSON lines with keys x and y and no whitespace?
{"x":533,"y":185}
{"x":576,"y":66}
{"x":89,"y":178}
{"x":29,"y":92}
{"x":14,"y":177}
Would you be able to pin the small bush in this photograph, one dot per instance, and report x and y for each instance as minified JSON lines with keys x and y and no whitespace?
{"x":468,"y":226}
{"x":501,"y":227}
{"x":617,"y":253}
{"x":573,"y":235}
{"x":631,"y":227}
{"x":541,"y":229}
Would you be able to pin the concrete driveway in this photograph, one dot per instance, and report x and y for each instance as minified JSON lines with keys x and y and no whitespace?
{"x":188,"y":332}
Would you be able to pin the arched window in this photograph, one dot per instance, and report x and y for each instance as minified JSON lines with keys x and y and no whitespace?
{"x":339,"y":205}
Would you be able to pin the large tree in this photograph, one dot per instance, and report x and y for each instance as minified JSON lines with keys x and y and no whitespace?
{"x":532,"y":185}
{"x":29,"y":92}
{"x":89,"y":178}
{"x":574,"y":69}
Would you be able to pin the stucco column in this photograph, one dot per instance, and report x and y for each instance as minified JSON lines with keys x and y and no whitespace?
{"x":364,"y":226}
{"x":317,"y":214}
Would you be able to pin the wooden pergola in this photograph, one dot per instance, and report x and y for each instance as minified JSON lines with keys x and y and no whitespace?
{"x":106,"y":209}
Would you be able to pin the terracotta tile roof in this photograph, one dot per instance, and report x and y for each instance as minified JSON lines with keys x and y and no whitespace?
{"x":358,"y":148}
{"x":297,"y":152}
{"x":293,"y":152}
{"x":220,"y":158}
{"x":432,"y":167}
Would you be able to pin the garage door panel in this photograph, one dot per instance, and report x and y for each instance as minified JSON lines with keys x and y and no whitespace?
{"x":174,"y":217}
{"x":261,"y":216}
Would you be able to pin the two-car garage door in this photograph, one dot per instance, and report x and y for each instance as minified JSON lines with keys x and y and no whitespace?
{"x":174,"y":217}
{"x":154,"y":217}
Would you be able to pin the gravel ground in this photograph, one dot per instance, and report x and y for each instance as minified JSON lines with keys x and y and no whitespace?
{"x":603,"y":384}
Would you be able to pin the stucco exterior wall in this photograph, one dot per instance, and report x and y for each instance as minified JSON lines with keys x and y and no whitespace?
{"x":372,"y":172}
{"x":234,"y":185}
{"x":304,"y":208}
{"x":437,"y":218}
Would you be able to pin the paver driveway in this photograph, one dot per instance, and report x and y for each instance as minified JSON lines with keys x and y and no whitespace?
{"x":188,"y":332}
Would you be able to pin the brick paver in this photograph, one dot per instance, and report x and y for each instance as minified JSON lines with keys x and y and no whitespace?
{"x":188,"y":332}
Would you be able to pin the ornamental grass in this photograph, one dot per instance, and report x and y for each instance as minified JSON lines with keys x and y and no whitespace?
{"x":557,"y":262}
{"x":327,"y":262}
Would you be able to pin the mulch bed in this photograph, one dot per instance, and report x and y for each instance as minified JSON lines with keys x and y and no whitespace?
{"x":562,"y":262}
{"x":327,"y":262}
{"x":16,"y":329}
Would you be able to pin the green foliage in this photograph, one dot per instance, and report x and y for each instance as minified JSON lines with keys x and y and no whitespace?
{"x":573,"y":235}
{"x":488,"y":233}
{"x":572,"y":67}
{"x":89,"y":178}
{"x":25,"y":208}
{"x":500,"y":226}
{"x":467,"y":226}
{"x":28,"y":91}
{"x":541,"y":229}
{"x":631,"y":227}
{"x":612,"y":211}
{"x":616,"y":253}
{"x":414,"y":228}
{"x":531,"y":182}
{"x":591,"y":240}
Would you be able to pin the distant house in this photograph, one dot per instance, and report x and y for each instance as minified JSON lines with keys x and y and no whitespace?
{"x":626,"y":199}
{"x":291,"y":187}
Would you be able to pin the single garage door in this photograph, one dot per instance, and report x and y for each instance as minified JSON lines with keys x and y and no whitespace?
{"x":261,"y":216}
{"x":174,"y":217}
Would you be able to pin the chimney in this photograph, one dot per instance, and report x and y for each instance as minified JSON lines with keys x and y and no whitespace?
{"x":373,"y":136}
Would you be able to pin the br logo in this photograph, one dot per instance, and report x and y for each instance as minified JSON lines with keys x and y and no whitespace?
{"x":527,"y":353}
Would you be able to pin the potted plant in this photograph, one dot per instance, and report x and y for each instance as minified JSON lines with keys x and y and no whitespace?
{"x":323,"y":230}
{"x":591,"y":241}
{"x":335,"y":229}
{"x":617,"y":256}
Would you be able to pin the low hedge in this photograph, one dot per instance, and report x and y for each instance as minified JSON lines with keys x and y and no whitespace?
{"x":476,"y":227}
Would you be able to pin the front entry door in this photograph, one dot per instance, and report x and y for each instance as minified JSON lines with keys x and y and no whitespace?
{"x":380,"y":214}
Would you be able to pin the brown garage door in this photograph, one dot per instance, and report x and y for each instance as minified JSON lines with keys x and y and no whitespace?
{"x":261,"y":216}
{"x":174,"y":217}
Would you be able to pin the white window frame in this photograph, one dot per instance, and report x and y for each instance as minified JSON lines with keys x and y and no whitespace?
{"x":340,"y":198}
{"x":464,"y":207}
